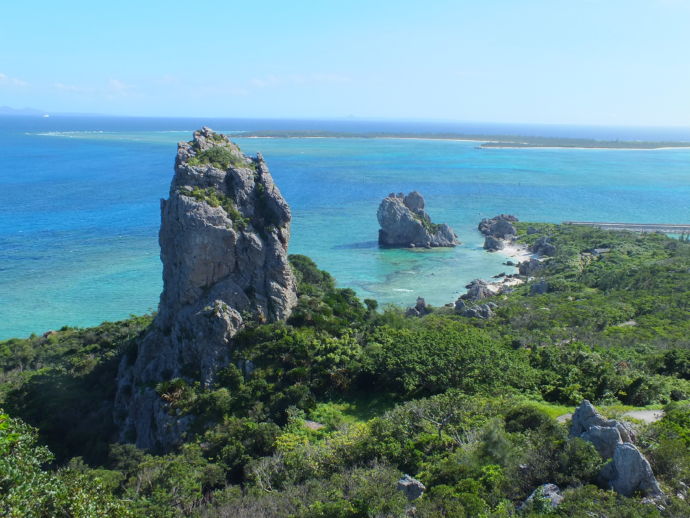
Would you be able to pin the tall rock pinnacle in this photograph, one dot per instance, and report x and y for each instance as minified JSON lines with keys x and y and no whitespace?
{"x":223,"y":237}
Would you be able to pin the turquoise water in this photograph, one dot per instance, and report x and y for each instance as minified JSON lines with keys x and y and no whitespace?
{"x":79,"y":209}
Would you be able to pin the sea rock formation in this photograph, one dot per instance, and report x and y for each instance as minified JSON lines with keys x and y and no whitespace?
{"x":404,"y":223}
{"x":628,"y":471}
{"x":223,"y":237}
{"x":477,"y":290}
{"x":493,"y":244}
{"x":500,"y":227}
{"x":411,"y":487}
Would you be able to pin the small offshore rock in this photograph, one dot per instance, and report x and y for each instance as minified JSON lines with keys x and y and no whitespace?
{"x":411,"y":487}
{"x":404,"y":223}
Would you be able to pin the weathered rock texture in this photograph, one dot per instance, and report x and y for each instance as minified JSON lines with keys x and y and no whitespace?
{"x":628,"y":471}
{"x":411,"y":487}
{"x":548,"y":491}
{"x":223,"y":237}
{"x":419,"y":309}
{"x":500,"y":226}
{"x":404,"y":223}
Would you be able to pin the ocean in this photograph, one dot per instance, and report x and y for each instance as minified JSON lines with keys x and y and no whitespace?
{"x":79,"y":204}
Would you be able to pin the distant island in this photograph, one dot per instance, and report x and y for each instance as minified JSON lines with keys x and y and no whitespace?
{"x":487,"y":141}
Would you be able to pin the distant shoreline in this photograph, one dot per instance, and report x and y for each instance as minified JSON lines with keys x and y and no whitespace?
{"x":487,"y":141}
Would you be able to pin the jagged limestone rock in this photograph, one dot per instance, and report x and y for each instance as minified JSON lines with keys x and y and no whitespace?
{"x":492,"y":244}
{"x":404,"y":223}
{"x":223,"y":237}
{"x":477,"y":290}
{"x":551,"y":492}
{"x":544,"y":246}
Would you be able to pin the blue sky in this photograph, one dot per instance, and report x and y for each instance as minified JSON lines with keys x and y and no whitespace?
{"x":614,"y":62}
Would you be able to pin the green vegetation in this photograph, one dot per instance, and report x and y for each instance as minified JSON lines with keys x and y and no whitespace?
{"x":215,"y":198}
{"x":343,"y":399}
{"x":221,"y":157}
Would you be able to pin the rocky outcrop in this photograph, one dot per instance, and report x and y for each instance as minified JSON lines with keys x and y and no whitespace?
{"x":411,"y":487}
{"x":500,"y":227}
{"x":549,"y":492}
{"x":404,"y":223}
{"x":628,"y":471}
{"x":544,"y":246}
{"x":478,"y":290}
{"x":419,"y":309}
{"x":223,"y":237}
{"x":539,"y":287}
{"x":493,"y":244}
{"x":530,"y":267}
{"x":482,"y":311}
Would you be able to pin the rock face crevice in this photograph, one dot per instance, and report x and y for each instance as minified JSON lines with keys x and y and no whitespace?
{"x":405,"y":223}
{"x":224,"y":234}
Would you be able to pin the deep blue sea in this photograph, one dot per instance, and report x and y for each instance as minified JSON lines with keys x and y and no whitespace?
{"x":79,"y":204}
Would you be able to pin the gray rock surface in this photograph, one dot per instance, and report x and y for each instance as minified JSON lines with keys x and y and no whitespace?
{"x":604,"y":438}
{"x":500,"y":226}
{"x":411,"y":487}
{"x":404,"y":223}
{"x":550,"y":491}
{"x":223,"y":237}
{"x":529,"y":268}
{"x":539,"y":287}
{"x":629,"y":472}
{"x":544,"y":246}
{"x":483,"y":311}
{"x":477,"y":290}
{"x":492,"y":244}
{"x":419,"y":309}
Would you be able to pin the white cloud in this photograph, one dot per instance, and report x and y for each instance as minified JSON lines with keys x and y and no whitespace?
{"x":12,"y":81}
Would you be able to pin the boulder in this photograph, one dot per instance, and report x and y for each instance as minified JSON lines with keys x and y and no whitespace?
{"x":404,"y":223}
{"x":224,"y":235}
{"x":411,"y":487}
{"x":629,"y":472}
{"x":493,"y":244}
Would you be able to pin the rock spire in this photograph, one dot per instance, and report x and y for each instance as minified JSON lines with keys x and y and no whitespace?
{"x":224,"y":236}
